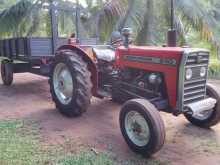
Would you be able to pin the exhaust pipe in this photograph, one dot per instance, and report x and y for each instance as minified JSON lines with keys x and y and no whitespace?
{"x":172,"y":34}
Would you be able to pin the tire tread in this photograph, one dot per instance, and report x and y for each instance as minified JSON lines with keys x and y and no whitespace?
{"x":83,"y":77}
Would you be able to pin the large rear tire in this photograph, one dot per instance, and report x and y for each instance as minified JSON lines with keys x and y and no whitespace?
{"x":70,"y":83}
{"x":142,"y":127}
{"x":211,"y":118}
{"x":7,"y":72}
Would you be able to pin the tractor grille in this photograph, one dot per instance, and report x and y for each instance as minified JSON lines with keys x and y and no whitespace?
{"x":195,"y":89}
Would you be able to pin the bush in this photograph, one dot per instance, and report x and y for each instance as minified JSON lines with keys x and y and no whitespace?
{"x":214,"y":69}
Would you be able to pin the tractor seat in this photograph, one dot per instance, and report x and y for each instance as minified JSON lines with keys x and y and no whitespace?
{"x":105,"y":54}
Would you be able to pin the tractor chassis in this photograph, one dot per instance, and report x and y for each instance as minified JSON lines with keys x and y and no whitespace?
{"x":155,"y":98}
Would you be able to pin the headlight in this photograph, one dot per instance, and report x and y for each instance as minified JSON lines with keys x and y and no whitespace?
{"x":188,"y":74}
{"x":202,"y":71}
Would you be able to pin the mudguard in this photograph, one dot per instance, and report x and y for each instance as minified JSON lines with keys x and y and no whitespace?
{"x":90,"y":59}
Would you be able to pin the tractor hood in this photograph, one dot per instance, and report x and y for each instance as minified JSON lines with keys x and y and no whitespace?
{"x":152,"y":50}
{"x":161,"y":51}
{"x":155,"y":51}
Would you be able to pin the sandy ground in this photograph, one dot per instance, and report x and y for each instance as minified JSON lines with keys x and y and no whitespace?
{"x":98,"y":128}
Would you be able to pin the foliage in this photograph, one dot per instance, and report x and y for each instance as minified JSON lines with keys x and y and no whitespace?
{"x":4,"y":4}
{"x":214,"y":69}
{"x":28,"y":18}
{"x":16,"y":15}
{"x":149,"y":23}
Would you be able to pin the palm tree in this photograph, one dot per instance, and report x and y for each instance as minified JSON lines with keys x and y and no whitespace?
{"x":149,"y":19}
{"x":189,"y":13}
{"x":13,"y":17}
{"x":27,"y":17}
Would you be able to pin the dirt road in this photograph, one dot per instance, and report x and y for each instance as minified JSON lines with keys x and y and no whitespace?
{"x":29,"y":98}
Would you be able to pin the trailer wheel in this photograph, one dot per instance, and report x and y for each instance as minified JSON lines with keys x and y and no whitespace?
{"x":70,"y":83}
{"x":209,"y":118}
{"x":142,"y":127}
{"x":7,"y":72}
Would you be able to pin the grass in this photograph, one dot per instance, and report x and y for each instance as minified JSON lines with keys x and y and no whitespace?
{"x":86,"y":158}
{"x":206,"y":142}
{"x":20,"y":145}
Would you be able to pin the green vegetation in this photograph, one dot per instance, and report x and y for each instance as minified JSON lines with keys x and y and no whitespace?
{"x":214,"y":69}
{"x":25,"y":17}
{"x":20,"y":145}
{"x":86,"y":158}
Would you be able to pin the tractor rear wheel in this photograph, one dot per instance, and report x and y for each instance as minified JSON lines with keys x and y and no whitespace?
{"x":7,"y":72}
{"x":142,"y":127}
{"x":70,"y":83}
{"x":209,"y":118}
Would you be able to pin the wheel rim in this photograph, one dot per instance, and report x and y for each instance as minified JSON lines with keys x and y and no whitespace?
{"x":63,"y":83}
{"x":137,"y":128}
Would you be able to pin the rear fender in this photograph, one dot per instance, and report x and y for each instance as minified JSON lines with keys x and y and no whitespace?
{"x":91,"y":65}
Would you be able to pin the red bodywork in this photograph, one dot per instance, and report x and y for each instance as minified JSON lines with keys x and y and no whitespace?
{"x":170,"y":72}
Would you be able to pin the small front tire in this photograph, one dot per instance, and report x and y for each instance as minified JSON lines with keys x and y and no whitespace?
{"x":142,"y":127}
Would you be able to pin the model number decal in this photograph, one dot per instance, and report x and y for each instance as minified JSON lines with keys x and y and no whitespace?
{"x":155,"y":60}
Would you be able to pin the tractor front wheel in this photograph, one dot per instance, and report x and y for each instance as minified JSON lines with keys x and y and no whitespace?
{"x":7,"y":72}
{"x":142,"y":127}
{"x":70,"y":83}
{"x":209,"y":118}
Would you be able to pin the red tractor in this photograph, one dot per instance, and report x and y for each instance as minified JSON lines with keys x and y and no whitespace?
{"x":146,"y":79}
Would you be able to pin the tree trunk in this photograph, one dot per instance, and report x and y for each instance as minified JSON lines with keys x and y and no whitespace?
{"x":122,"y":22}
{"x":146,"y":35}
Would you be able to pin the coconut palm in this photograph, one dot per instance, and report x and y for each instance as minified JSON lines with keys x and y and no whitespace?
{"x":13,"y":17}
{"x":149,"y":19}
{"x":27,"y":17}
{"x":189,"y":13}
